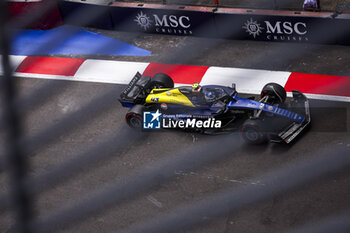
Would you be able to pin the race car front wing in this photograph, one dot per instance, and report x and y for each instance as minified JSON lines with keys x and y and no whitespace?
{"x":293,"y":130}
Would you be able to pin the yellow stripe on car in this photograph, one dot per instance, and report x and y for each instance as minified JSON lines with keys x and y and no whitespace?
{"x":171,"y":96}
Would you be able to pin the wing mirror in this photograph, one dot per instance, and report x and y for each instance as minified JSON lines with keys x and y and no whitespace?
{"x":234,"y":86}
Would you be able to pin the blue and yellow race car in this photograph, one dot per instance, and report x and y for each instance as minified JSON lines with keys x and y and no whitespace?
{"x":218,"y":109}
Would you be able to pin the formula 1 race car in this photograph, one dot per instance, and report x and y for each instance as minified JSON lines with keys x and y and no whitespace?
{"x":271,"y":118}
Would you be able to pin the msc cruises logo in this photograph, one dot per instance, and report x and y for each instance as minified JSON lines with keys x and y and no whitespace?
{"x":253,"y":28}
{"x":169,"y":24}
{"x":143,"y":20}
{"x":277,"y":30}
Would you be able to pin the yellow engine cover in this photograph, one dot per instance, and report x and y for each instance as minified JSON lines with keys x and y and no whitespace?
{"x":171,"y":96}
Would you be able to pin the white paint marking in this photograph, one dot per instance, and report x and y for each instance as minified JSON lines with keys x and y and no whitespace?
{"x":154,"y":201}
{"x":118,"y":72}
{"x":246,"y":80}
{"x":15,"y":61}
{"x":212,"y":177}
{"x":326,"y":97}
{"x":45,"y":76}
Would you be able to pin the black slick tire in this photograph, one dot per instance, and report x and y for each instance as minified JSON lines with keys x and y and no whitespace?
{"x":161,"y":80}
{"x":275,"y":92}
{"x":134,"y":117}
{"x":253,"y":132}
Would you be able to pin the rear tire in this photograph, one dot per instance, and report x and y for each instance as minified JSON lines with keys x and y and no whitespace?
{"x":252,"y":132}
{"x":134,"y":117}
{"x":134,"y":120}
{"x":277,"y":94}
{"x":161,"y":80}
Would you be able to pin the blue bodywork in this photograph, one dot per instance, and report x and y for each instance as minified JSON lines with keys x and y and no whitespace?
{"x":244,"y":103}
{"x":251,"y":104}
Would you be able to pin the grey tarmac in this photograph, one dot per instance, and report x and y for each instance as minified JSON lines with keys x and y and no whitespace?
{"x":330,"y":129}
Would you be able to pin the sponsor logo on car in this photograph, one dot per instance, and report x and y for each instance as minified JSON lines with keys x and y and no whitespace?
{"x":155,"y":99}
{"x":164,"y":106}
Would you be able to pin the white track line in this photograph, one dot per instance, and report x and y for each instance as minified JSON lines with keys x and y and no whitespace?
{"x":118,"y":72}
{"x":246,"y":80}
{"x":15,"y":61}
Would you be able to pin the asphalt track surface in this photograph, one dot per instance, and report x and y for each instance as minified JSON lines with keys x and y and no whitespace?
{"x":330,"y":129}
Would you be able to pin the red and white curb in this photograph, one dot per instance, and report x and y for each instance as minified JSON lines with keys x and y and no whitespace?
{"x":251,"y":81}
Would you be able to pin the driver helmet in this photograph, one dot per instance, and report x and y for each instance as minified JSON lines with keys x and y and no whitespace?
{"x":196,"y":87}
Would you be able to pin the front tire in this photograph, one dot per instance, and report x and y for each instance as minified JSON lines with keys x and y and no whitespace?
{"x":276,"y":93}
{"x":252,"y":132}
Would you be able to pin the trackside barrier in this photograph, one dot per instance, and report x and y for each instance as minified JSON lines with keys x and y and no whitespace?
{"x":212,"y":22}
{"x":19,"y":8}
{"x":100,"y":13}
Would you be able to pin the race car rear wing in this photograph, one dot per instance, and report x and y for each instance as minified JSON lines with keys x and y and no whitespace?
{"x":300,"y":101}
{"x":134,"y":93}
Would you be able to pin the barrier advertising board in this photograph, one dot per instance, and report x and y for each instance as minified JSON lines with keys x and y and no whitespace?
{"x":237,"y":26}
